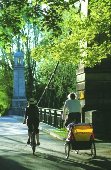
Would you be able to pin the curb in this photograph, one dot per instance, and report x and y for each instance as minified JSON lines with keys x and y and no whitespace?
{"x":54,"y":135}
{"x":50,"y":132}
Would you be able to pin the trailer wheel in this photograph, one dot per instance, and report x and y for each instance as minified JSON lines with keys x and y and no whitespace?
{"x":93,"y":149}
{"x":67,"y":150}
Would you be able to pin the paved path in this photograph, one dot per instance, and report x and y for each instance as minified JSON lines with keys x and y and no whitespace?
{"x":16,"y":155}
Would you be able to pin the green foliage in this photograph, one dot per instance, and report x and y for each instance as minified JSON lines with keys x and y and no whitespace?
{"x":63,"y":82}
{"x":66,"y":36}
{"x":5,"y":82}
{"x":14,"y":14}
{"x":64,"y":79}
{"x":85,"y":39}
{"x":67,"y":32}
{"x":11,"y":19}
{"x":4,"y":101}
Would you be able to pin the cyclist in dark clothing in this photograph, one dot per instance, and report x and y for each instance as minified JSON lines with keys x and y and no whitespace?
{"x":32,"y":119}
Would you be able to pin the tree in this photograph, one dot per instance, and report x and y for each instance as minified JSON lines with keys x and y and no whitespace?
{"x":76,"y":31}
{"x":11,"y":19}
{"x":65,"y":26}
{"x":14,"y":15}
{"x":5,"y":76}
{"x":62,"y":83}
{"x":63,"y":32}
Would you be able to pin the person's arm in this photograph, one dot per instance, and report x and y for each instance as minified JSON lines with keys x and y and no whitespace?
{"x":25,"y":117}
{"x":64,"y":112}
{"x":37,"y":112}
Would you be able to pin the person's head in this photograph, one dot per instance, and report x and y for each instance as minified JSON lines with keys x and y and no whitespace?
{"x":32,"y":101}
{"x":72,"y":96}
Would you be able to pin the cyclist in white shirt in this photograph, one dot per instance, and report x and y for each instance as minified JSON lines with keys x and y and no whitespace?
{"x":72,"y":110}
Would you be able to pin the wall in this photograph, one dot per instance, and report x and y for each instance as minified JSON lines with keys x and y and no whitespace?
{"x":95,"y":84}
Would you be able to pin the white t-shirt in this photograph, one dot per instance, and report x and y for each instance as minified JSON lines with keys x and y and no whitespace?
{"x":73,"y":105}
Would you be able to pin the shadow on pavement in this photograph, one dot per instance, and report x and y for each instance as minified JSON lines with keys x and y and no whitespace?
{"x":14,"y":140}
{"x":8,"y":164}
{"x":98,"y":163}
{"x":64,"y":164}
{"x":102,"y":162}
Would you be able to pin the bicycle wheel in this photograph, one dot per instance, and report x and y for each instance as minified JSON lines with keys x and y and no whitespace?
{"x":33,"y":144}
{"x":33,"y":149}
{"x":67,"y":150}
{"x":93,"y":149}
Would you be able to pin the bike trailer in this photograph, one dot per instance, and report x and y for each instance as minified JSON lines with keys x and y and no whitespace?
{"x":83,"y":132}
{"x":80,"y":137}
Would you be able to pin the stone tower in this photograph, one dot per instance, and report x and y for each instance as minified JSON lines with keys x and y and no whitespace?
{"x":19,"y":97}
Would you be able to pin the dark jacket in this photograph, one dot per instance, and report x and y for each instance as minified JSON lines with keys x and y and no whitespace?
{"x":32,"y":114}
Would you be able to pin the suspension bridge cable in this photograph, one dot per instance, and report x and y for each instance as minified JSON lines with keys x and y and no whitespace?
{"x":49,"y":82}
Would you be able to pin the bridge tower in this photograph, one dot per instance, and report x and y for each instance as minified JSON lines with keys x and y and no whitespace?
{"x":19,"y":100}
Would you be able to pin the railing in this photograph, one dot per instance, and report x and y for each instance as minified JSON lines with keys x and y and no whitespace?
{"x":52,"y":117}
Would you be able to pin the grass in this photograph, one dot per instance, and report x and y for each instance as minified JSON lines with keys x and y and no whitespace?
{"x":61,"y":132}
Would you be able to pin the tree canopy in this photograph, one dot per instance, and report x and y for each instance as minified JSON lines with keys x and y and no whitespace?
{"x":64,"y":32}
{"x":86,"y":39}
{"x":50,"y":31}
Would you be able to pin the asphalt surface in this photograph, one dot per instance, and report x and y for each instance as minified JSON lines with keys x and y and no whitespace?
{"x":16,"y":155}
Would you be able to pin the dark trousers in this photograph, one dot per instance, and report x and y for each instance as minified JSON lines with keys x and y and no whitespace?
{"x":73,"y":117}
{"x":33,"y":125}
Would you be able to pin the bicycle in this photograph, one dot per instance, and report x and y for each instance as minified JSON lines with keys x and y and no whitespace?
{"x":33,"y":142}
